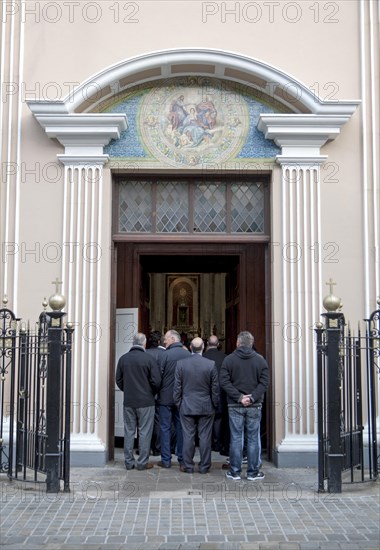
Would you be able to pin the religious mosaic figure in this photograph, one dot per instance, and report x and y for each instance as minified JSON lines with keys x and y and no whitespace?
{"x":191,"y":125}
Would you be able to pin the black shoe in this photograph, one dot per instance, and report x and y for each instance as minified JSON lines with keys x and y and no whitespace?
{"x":146,"y":466}
{"x":186,"y":470}
{"x":130,"y":467}
{"x":156,"y":453}
{"x":204,"y":471}
{"x":163,"y":465}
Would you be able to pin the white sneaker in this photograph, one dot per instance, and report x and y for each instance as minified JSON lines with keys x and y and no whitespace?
{"x":256,"y":477}
{"x":231,"y":475}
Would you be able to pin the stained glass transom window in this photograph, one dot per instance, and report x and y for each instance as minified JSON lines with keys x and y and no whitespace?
{"x":172,"y":207}
{"x":247,"y":212}
{"x":191,"y":207}
{"x":210,"y":208}
{"x":135,"y":207}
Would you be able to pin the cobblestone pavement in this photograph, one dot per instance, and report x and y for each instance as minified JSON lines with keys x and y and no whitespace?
{"x":110,"y":508}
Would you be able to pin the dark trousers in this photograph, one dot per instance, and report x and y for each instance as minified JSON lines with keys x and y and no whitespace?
{"x":156,"y":435}
{"x":168,"y":415}
{"x":217,"y":432}
{"x":190,"y":425}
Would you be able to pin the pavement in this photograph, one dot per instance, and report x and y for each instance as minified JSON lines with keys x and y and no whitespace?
{"x":166,"y":509}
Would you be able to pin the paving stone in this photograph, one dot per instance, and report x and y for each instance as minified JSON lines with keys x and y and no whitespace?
{"x":287,"y":514}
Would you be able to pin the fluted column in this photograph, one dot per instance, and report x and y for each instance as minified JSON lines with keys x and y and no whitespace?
{"x":84,"y":246}
{"x":11,"y":70}
{"x":301,"y":300}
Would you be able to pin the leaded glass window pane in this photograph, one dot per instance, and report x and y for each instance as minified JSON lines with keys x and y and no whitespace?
{"x":172,"y":207}
{"x":135,"y":207}
{"x":210,"y":207}
{"x":247,"y":208}
{"x":168,"y":207}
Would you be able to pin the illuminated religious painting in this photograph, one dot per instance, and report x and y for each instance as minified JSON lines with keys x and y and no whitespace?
{"x":183,"y":303}
{"x":190,"y":122}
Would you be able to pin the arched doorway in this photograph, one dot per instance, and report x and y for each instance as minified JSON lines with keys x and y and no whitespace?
{"x":302,"y":124}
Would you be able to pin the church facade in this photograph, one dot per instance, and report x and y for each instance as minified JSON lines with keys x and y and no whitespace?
{"x":207,"y":166}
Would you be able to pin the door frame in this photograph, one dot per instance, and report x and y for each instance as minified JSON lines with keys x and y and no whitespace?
{"x":245,"y":249}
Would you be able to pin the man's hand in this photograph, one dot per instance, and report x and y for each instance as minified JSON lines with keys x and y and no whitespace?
{"x":246,"y":400}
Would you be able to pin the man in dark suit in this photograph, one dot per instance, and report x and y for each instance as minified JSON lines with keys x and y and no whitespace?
{"x":168,"y":411}
{"x":156,"y":348}
{"x":138,"y":376}
{"x":196,"y":394}
{"x":220,"y":430}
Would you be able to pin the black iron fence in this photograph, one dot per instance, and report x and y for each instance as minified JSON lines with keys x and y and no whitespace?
{"x":35,"y":385}
{"x":348,"y":382}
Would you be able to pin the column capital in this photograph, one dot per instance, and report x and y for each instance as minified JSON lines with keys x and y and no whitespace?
{"x":83,"y":160}
{"x":82,"y":134}
{"x":301,"y":136}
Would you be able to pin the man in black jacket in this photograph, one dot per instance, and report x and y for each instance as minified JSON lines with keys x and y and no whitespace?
{"x":196,"y":394}
{"x":220,"y":430}
{"x":138,"y":376}
{"x":156,"y":348}
{"x":168,"y":411}
{"x":244,"y":376}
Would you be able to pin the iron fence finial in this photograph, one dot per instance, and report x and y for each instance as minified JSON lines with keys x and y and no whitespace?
{"x":332,"y":302}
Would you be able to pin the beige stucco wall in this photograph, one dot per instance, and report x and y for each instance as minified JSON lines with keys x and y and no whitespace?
{"x":327,"y":38}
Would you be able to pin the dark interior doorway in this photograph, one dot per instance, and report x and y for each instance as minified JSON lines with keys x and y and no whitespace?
{"x":246,"y":299}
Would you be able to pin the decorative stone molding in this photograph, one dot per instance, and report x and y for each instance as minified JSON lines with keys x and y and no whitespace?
{"x":88,"y":132}
{"x":302,"y":136}
{"x":164,"y":64}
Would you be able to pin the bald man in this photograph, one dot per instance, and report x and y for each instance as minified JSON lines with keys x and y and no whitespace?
{"x":196,"y":394}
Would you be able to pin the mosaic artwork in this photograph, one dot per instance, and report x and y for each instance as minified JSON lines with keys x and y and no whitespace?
{"x":191,"y":122}
{"x":192,"y":125}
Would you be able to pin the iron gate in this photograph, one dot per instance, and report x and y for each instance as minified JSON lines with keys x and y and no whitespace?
{"x":35,"y":385}
{"x":348,"y":380}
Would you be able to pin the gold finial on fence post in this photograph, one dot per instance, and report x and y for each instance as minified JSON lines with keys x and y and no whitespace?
{"x":331,"y":302}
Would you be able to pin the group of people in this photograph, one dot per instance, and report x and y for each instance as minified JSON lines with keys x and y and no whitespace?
{"x":173,"y":393}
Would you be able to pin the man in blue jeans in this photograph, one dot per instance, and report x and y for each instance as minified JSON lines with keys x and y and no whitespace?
{"x":168,"y":411}
{"x":244,"y":376}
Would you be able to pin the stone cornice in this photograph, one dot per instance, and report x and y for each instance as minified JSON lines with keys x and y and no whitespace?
{"x":91,"y":131}
{"x":301,"y":136}
{"x":293,"y":129}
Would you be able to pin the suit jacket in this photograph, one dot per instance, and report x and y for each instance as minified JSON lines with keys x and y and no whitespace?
{"x":138,"y":376}
{"x":168,"y":363}
{"x":196,"y":386}
{"x":218,"y":356}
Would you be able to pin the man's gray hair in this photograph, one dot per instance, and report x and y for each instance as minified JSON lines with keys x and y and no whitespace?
{"x":245,"y":338}
{"x":139,"y":339}
{"x":176,"y":335}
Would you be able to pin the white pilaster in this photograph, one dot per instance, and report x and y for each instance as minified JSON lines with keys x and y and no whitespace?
{"x":302,"y":299}
{"x":81,"y":273}
{"x":85,"y":260}
{"x":300,"y":138}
